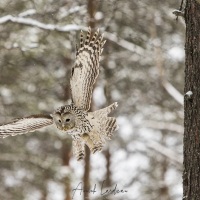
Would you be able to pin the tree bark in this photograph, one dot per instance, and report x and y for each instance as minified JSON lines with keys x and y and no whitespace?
{"x":191,"y":173}
{"x":108,"y":181}
{"x":66,"y":156}
{"x":67,"y":147}
{"x":107,"y":92}
{"x":86,"y":177}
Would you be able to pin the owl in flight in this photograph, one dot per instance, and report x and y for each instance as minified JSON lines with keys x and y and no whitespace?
{"x":90,"y":128}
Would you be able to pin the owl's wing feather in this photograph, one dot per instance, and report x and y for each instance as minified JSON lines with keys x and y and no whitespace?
{"x":86,"y":69}
{"x":25,"y":125}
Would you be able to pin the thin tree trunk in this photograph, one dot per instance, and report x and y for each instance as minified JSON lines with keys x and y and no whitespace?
{"x":86,"y":177}
{"x":67,"y":146}
{"x":66,"y":155}
{"x":108,"y":172}
{"x":91,"y":12}
{"x":191,"y":173}
{"x":107,"y":92}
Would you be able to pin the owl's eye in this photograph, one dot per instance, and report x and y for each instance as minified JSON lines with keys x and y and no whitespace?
{"x":59,"y":121}
{"x":67,"y":120}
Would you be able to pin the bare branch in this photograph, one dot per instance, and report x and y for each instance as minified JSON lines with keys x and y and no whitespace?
{"x":175,"y":158}
{"x":72,"y":10}
{"x":125,"y":44}
{"x":159,"y":62}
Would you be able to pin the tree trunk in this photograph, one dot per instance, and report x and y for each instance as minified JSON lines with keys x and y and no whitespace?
{"x":67,"y":146}
{"x":191,"y":173}
{"x":108,"y":182}
{"x":66,"y":156}
{"x":107,"y":92}
{"x":86,"y":177}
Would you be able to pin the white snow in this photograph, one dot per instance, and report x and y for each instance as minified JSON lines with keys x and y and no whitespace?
{"x":55,"y":191}
{"x":176,"y":53}
{"x":189,"y":93}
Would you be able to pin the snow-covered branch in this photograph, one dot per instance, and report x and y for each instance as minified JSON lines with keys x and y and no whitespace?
{"x":70,"y":27}
{"x":172,"y":91}
{"x":28,"y":13}
{"x":32,"y":22}
{"x":164,"y":126}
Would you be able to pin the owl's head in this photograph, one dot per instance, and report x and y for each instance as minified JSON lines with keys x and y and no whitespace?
{"x":64,"y":121}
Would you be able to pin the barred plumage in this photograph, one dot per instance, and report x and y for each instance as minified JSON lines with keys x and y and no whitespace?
{"x":90,"y":128}
{"x":25,"y":125}
{"x":78,"y":148}
{"x":86,"y":69}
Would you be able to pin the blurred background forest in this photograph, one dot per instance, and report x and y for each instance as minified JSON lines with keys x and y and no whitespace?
{"x":142,"y":68}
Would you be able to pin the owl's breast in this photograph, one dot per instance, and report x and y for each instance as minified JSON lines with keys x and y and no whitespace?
{"x":73,"y":132}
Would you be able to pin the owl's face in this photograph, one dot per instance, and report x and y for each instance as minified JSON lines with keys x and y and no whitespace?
{"x":64,"y":121}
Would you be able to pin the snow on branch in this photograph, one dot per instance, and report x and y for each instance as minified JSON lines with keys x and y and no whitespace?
{"x":164,"y":126}
{"x":32,"y":22}
{"x":73,"y":10}
{"x":27,"y":13}
{"x":178,"y":13}
{"x":70,"y":27}
{"x":173,"y":92}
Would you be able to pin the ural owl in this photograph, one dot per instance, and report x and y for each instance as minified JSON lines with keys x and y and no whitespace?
{"x":90,"y":128}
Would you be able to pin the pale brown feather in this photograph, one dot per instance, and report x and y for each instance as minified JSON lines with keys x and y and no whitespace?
{"x":86,"y":69}
{"x":25,"y":125}
{"x":103,"y":127}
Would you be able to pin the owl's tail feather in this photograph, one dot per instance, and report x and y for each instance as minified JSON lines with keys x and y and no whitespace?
{"x":103,"y":127}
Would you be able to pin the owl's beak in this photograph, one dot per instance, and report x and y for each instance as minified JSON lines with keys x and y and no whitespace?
{"x":64,"y":128}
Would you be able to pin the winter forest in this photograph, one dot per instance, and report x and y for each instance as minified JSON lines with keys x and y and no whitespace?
{"x":142,"y":68}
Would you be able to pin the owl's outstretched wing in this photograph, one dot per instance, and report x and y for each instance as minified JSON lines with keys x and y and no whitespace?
{"x":78,"y":147}
{"x":25,"y":125}
{"x":86,"y":69}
